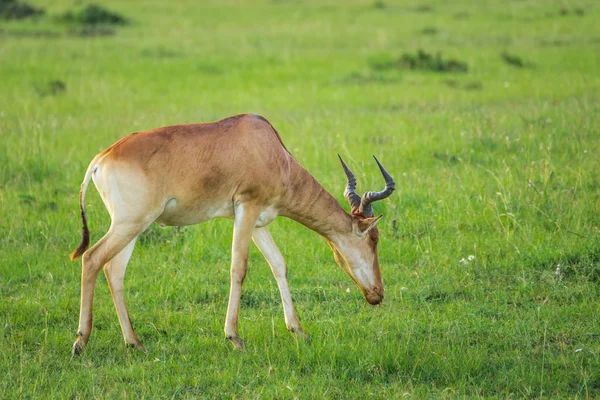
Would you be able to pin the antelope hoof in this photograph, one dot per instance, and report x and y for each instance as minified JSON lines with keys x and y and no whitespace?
{"x":138,"y":346}
{"x":299,"y":333}
{"x":78,"y":347}
{"x":237,"y":342}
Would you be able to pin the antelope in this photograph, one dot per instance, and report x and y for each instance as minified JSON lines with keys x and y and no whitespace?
{"x":236,"y":168}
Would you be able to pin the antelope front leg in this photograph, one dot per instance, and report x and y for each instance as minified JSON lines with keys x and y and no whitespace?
{"x":264,"y":241}
{"x":245,"y":219}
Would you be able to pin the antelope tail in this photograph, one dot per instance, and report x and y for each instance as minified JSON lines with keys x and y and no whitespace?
{"x":85,"y":233}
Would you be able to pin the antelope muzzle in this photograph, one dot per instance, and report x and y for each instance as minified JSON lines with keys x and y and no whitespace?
{"x":374,"y":296}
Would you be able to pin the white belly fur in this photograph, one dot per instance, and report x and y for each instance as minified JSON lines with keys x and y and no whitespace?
{"x":173,"y":215}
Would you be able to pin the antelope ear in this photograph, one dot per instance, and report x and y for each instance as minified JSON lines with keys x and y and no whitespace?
{"x":364,"y":225}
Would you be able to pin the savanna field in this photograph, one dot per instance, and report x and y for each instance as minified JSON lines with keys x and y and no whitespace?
{"x":486,"y":113}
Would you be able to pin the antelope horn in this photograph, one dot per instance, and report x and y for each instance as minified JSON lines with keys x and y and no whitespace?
{"x":349,"y":193}
{"x":370,"y":197}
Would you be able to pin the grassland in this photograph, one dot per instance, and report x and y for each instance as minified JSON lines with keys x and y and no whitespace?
{"x":500,"y":162}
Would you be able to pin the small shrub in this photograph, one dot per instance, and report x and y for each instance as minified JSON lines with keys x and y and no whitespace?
{"x":514,"y":60}
{"x":379,"y":4}
{"x":93,"y":14}
{"x":209,"y":68}
{"x":472,"y":85}
{"x":580,"y":12}
{"x":51,"y":88}
{"x":430,"y":30}
{"x":12,"y":9}
{"x":421,"y":61}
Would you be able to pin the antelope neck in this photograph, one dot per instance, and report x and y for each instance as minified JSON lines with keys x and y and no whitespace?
{"x":308,"y":203}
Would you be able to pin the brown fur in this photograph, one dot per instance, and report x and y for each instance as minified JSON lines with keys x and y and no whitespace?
{"x":235,"y":168}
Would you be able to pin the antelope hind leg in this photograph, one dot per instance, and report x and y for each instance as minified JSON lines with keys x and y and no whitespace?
{"x":115,"y":275}
{"x":102,"y":252}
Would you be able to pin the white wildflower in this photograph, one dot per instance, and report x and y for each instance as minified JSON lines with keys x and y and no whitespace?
{"x":467,"y":260}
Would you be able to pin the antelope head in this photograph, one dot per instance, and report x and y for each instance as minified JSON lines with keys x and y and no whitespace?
{"x":357,"y":255}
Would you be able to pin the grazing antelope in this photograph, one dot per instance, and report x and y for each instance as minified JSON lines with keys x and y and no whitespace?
{"x":235,"y":168}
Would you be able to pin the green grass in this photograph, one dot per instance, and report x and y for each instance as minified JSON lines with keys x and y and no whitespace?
{"x":500,"y":163}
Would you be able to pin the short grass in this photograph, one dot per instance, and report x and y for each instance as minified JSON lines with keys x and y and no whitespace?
{"x":500,"y":163}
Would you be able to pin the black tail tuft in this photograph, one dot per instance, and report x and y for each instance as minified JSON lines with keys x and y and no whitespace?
{"x":85,"y":238}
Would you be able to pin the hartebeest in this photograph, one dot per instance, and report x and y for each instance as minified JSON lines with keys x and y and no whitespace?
{"x":235,"y":168}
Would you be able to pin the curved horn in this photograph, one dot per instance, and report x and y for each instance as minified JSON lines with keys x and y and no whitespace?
{"x":349,"y":193}
{"x":370,"y":197}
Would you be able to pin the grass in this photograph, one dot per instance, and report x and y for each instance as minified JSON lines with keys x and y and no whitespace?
{"x":506,"y":173}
